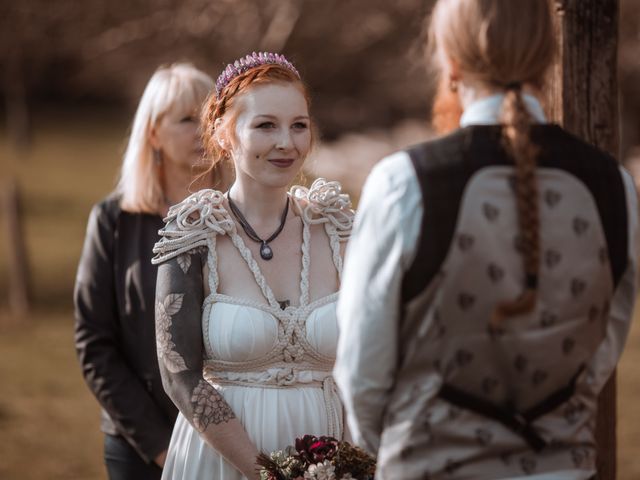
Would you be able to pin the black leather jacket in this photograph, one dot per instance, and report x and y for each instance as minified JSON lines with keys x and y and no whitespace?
{"x":115,"y":328}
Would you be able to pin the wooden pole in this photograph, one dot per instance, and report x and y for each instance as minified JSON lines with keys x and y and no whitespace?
{"x":16,"y":251}
{"x":583,"y":98}
{"x":17,"y":111}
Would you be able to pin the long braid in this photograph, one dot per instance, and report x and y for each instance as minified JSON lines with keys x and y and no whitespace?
{"x":517,"y":140}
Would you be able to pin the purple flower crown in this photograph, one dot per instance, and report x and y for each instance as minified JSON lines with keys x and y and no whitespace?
{"x":251,"y":61}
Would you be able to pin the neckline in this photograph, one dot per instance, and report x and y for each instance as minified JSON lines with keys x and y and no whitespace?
{"x":274,"y":311}
{"x":295,"y":314}
{"x":259,"y":277}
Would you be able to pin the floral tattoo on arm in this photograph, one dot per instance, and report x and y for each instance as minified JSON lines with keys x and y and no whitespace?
{"x":179,"y":299}
{"x":171,"y":305}
{"x":209,"y":407}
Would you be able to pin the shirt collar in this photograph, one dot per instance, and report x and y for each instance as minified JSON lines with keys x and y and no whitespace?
{"x":486,"y":111}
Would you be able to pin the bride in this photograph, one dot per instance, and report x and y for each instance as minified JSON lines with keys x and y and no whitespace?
{"x":247,"y":286}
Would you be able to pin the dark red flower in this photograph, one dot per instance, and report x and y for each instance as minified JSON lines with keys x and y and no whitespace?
{"x":314,"y":449}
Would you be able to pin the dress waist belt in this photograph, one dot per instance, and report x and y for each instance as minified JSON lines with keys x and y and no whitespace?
{"x":332,"y":403}
{"x":517,"y":422}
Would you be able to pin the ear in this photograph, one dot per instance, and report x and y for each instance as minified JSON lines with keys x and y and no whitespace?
{"x":154,"y":140}
{"x":453,"y":68}
{"x":218,"y":135}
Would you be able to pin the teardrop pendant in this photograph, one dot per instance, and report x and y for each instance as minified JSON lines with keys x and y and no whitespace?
{"x":265,"y":251}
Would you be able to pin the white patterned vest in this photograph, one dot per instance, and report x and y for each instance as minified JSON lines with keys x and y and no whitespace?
{"x":466,"y":400}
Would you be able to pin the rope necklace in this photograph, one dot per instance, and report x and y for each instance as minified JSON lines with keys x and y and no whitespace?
{"x":265,"y":250}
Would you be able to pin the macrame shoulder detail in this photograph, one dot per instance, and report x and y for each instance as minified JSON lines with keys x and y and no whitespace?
{"x":190,"y":222}
{"x":325,"y":203}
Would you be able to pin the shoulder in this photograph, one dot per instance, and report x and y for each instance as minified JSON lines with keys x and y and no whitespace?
{"x":446,"y":152}
{"x":391,"y":200}
{"x":554,"y":136}
{"x":391,"y":183}
{"x":324,"y":203}
{"x":108,"y":208}
{"x":104,"y":216}
{"x":631,"y":197}
{"x":189,"y":223}
{"x":202,"y":209}
{"x":392,"y":171}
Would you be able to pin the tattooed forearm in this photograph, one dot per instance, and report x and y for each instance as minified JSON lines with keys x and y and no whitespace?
{"x":171,"y":305}
{"x":180,"y":344}
{"x":209,"y":407}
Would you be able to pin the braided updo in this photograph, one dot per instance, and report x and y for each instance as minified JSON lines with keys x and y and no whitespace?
{"x":221,"y":111}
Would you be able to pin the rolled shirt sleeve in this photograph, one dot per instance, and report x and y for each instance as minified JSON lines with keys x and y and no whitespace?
{"x":381,"y":249}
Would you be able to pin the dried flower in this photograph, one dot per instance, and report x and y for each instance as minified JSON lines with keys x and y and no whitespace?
{"x":317,"y":458}
{"x":321,"y":471}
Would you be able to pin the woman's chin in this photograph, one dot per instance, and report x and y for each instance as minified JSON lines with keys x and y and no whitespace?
{"x":280,"y":179}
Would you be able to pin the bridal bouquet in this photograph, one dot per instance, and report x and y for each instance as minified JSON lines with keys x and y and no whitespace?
{"x":317,"y":458}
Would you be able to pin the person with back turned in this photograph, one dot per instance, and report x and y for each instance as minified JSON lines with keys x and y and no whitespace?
{"x":490,"y":279}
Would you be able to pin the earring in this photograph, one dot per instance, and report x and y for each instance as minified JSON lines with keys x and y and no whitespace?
{"x":453,"y":85}
{"x":157,"y":157}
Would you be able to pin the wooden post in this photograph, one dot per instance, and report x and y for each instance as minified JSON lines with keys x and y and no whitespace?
{"x":584,"y":98}
{"x":16,"y":251}
{"x":17,"y":111}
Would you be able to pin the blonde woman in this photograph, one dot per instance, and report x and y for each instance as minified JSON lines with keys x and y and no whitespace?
{"x":490,"y":280}
{"x":115,"y":285}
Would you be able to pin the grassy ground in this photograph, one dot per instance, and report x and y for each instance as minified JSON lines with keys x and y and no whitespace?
{"x":48,"y":418}
{"x":629,"y":406}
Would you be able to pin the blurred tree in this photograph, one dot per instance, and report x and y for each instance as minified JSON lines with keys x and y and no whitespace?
{"x":359,"y":57}
{"x":362,"y":58}
{"x":629,"y":75}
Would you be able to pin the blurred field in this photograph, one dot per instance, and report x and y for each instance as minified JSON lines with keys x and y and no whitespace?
{"x":48,"y":418}
{"x":72,"y":164}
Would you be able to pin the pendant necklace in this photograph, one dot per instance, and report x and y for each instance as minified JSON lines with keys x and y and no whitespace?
{"x":265,"y":250}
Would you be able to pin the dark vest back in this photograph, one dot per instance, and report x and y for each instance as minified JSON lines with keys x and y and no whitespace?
{"x":444,"y":167}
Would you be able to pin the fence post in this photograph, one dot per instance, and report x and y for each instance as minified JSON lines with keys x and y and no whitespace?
{"x":584,"y":98}
{"x":16,"y":250}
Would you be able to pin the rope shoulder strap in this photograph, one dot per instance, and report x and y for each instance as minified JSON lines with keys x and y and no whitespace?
{"x":324,"y":203}
{"x":190,"y":223}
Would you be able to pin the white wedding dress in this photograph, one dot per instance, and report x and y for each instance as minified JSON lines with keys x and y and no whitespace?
{"x":272,"y":366}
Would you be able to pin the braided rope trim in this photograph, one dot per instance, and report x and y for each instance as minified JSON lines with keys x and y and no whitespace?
{"x":246,"y":254}
{"x":190,"y":223}
{"x":325,"y":203}
{"x":306,"y":261}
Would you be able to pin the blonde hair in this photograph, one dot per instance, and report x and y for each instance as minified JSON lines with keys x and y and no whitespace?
{"x":505,"y":44}
{"x":139,"y":184}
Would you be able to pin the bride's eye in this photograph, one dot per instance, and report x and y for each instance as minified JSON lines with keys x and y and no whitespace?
{"x":300,"y":126}
{"x":188,"y":118}
{"x":266,"y":125}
